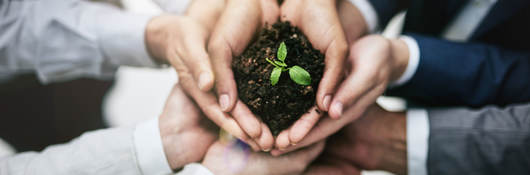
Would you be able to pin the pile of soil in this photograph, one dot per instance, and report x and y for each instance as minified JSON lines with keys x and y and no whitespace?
{"x":279,"y":106}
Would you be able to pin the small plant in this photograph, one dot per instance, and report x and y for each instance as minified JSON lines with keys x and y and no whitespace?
{"x":298,"y":74}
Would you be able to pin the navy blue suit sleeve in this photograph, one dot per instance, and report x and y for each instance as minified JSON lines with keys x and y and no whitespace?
{"x":386,"y":9}
{"x":471,"y":74}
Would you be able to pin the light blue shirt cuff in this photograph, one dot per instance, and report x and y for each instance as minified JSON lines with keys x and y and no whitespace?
{"x":149,"y":150}
{"x":417,"y":141}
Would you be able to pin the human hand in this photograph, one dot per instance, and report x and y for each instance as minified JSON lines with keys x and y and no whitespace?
{"x":181,"y":40}
{"x":328,"y":164}
{"x":233,"y":32}
{"x":186,"y":134}
{"x":255,"y":163}
{"x":377,"y":141}
{"x":373,"y":62}
{"x":371,"y":65}
{"x":319,"y":21}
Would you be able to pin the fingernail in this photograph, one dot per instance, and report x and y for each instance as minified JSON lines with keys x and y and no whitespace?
{"x":326,"y":101}
{"x":223,"y":101}
{"x":267,"y":150}
{"x":293,"y":144}
{"x":337,"y":108}
{"x":204,"y":79}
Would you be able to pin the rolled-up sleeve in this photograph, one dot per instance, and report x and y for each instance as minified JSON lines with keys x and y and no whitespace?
{"x":65,"y":39}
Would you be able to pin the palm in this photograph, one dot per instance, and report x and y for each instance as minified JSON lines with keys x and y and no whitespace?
{"x":319,"y":21}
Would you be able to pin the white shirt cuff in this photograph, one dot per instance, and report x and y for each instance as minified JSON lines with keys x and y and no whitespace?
{"x":368,"y":12}
{"x":195,"y":169}
{"x":149,"y":150}
{"x":173,"y":6}
{"x":412,"y":65}
{"x":417,"y":141}
{"x":123,"y":39}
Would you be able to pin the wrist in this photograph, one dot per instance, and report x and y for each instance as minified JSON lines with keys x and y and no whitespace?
{"x":400,"y":56}
{"x":352,"y":20}
{"x":156,"y":37}
{"x":175,"y":149}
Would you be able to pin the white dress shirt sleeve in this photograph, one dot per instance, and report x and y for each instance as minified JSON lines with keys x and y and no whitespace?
{"x":413,"y":62}
{"x":368,"y":12}
{"x":417,"y":141}
{"x":102,"y":152}
{"x":173,"y":6}
{"x":195,"y":169}
{"x":149,"y":149}
{"x":61,"y":40}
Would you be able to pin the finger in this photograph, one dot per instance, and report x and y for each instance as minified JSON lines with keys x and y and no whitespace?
{"x":282,"y":140}
{"x":289,"y":11}
{"x":324,"y":128}
{"x":303,"y":125}
{"x":266,"y":140}
{"x":246,"y":119}
{"x":207,"y":103}
{"x":232,"y":34}
{"x":359,"y":107}
{"x":310,"y":153}
{"x":334,"y":61}
{"x":356,"y":84}
{"x":196,"y":58}
{"x":270,"y":11}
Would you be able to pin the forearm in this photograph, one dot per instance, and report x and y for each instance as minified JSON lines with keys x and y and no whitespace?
{"x":61,"y":40}
{"x":109,"y":151}
{"x":471,"y":74}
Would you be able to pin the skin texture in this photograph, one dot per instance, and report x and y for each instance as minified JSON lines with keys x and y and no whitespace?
{"x":259,"y":163}
{"x":360,"y":88}
{"x":210,"y":33}
{"x":324,"y":22}
{"x":186,"y":134}
{"x":233,"y":32}
{"x":376,"y":141}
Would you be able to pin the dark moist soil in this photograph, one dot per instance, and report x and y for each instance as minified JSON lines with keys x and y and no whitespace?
{"x":279,"y":106}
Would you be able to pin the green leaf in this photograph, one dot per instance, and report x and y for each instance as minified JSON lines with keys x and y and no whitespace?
{"x":279,"y":63}
{"x":299,"y":75}
{"x":282,"y":52}
{"x":275,"y":75}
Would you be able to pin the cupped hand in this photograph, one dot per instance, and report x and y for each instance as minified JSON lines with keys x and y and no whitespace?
{"x":186,"y":134}
{"x":373,"y":62}
{"x":181,"y":40}
{"x":226,"y":159}
{"x":236,"y":27}
{"x":319,"y":21}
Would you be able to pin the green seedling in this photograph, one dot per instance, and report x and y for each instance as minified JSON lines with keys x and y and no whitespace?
{"x":298,"y":74}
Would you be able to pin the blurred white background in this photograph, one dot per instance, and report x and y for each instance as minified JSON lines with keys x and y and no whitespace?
{"x":139,"y":93}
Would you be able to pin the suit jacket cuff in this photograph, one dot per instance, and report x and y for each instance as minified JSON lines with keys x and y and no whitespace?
{"x":368,"y":12}
{"x":149,"y":150}
{"x":417,"y":141}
